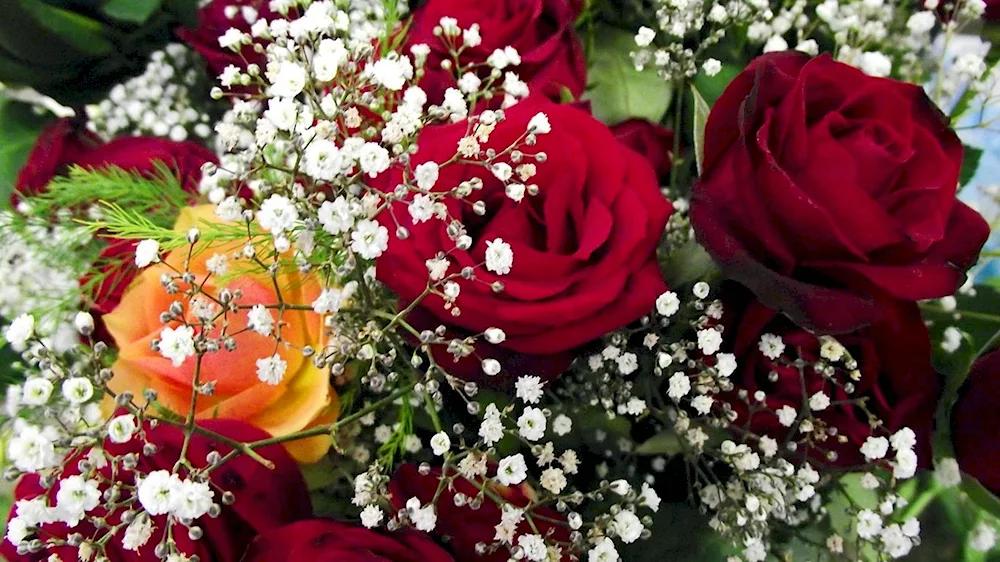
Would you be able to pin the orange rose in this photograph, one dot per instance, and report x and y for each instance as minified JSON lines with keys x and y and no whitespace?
{"x":304,"y":398}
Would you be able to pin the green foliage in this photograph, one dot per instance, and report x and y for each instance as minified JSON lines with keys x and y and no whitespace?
{"x":666,"y":443}
{"x":711,"y":87}
{"x":133,"y":11}
{"x":680,"y":533}
{"x":970,"y":163}
{"x":403,"y":428}
{"x":624,"y":14}
{"x":686,"y":264}
{"x":132,"y":206}
{"x":81,"y":32}
{"x":978,"y":317}
{"x":701,"y":111}
{"x":20,"y":126}
{"x":980,"y":496}
{"x":131,"y":224}
{"x":8,"y":373}
{"x":159,"y":197}
{"x":75,"y":51}
{"x":617,"y":91}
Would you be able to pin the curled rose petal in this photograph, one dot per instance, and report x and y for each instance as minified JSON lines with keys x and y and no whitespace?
{"x":828,"y":192}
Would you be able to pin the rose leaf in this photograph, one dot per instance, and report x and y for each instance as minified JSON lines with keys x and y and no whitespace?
{"x":701,"y":111}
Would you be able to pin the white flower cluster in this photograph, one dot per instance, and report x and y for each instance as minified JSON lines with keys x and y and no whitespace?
{"x":37,"y":280}
{"x":169,"y":99}
{"x":879,"y":37}
{"x":767,"y":482}
{"x":135,"y":498}
{"x":549,"y":474}
{"x":966,"y":84}
{"x":55,"y":402}
{"x":679,"y":20}
{"x":162,"y":492}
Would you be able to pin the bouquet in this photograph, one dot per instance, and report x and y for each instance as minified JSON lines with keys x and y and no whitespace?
{"x":504,"y":280}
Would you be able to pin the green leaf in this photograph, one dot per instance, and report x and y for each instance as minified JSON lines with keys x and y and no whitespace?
{"x":990,"y":33}
{"x":980,"y":496}
{"x":711,"y":87}
{"x":687,"y":264}
{"x":978,"y":317}
{"x":970,"y":164}
{"x":850,"y":494}
{"x":665,"y":443}
{"x":8,"y":374}
{"x":701,"y":111}
{"x":19,"y":128}
{"x":132,"y":11}
{"x":962,"y":105}
{"x":78,"y":30}
{"x":617,"y":91}
{"x":566,"y":95}
{"x":680,"y":533}
{"x":186,"y":11}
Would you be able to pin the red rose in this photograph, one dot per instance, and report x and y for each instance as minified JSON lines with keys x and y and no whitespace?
{"x":328,"y":541}
{"x":60,"y":144}
{"x":117,"y":270}
{"x":893,"y":357}
{"x":217,"y":17}
{"x":652,"y":141}
{"x":583,"y":248}
{"x":142,"y":155}
{"x":827,"y":192}
{"x":976,"y":423}
{"x":464,"y":526}
{"x":265,"y":498}
{"x":542,"y":31}
{"x":992,"y":10}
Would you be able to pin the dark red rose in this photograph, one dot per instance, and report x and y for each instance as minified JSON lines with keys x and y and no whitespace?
{"x":652,"y":141}
{"x":60,"y":144}
{"x":322,"y":540}
{"x":992,"y":10}
{"x":893,"y":358}
{"x":542,"y":31}
{"x":584,"y":247}
{"x":265,"y":498}
{"x":464,"y":526}
{"x":827,"y":192}
{"x":116,"y":269}
{"x":217,"y":17}
{"x":117,"y":258}
{"x":976,"y":423}
{"x":143,"y":154}
{"x":63,"y":144}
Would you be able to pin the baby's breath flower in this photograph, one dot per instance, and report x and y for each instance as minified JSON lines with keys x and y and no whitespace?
{"x":122,"y":428}
{"x":531,"y":424}
{"x":499,"y":257}
{"x":440,"y":443}
{"x":371,"y":516}
{"x":771,"y":346}
{"x":271,"y":370}
{"x":512,"y":470}
{"x":529,"y":389}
